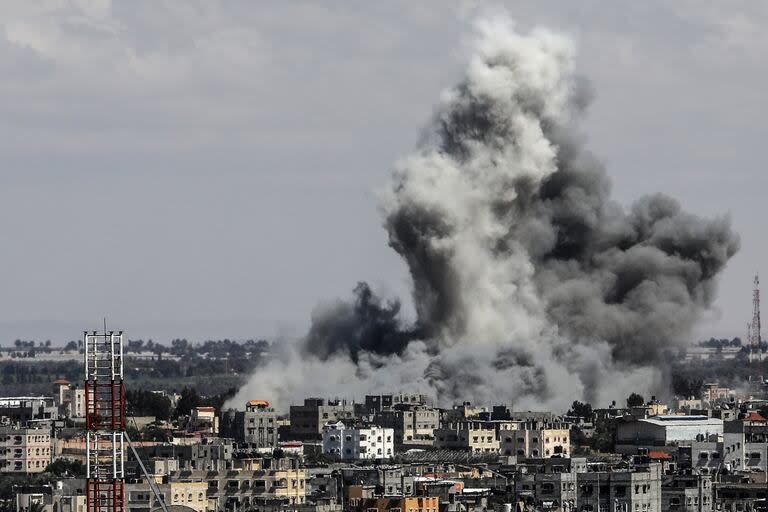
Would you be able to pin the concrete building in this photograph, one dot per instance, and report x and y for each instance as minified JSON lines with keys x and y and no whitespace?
{"x":712,"y":392}
{"x":203,"y":420}
{"x":414,"y":426}
{"x":24,"y":450}
{"x":62,"y":496}
{"x":687,"y":493}
{"x":573,"y":484}
{"x":398,"y":504}
{"x":273,"y":483}
{"x":258,"y":425}
{"x":353,"y":443}
{"x":745,"y":443}
{"x":664,"y":430}
{"x":463,"y":411}
{"x":184,"y":493}
{"x":308,"y":420}
{"x":216,"y":454}
{"x":378,"y":403}
{"x":471,"y":436}
{"x":21,"y":410}
{"x":537,"y":439}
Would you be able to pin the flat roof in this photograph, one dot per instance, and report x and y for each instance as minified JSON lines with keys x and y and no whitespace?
{"x":682,"y":420}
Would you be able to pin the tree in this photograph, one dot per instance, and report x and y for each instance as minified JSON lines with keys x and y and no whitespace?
{"x":65,"y":467}
{"x":72,"y":345}
{"x":188,"y":401}
{"x":635,"y":400}
{"x":580,"y":410}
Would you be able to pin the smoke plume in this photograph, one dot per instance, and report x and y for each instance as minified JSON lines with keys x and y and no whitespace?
{"x":531,"y":286}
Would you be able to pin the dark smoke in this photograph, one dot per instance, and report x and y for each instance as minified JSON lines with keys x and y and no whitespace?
{"x":530,"y":284}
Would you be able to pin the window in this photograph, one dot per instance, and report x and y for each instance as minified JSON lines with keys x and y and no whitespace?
{"x":704,"y":455}
{"x":620,"y":490}
{"x":754,"y":455}
{"x":547,"y":488}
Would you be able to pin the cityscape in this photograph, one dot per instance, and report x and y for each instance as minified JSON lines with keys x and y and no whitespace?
{"x":435,"y":256}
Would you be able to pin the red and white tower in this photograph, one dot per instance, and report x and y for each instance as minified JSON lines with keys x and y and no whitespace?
{"x":754,"y":331}
{"x":104,"y":420}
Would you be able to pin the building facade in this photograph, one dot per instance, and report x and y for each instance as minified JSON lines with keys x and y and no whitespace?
{"x":308,"y":420}
{"x":354,"y":443}
{"x":24,"y":450}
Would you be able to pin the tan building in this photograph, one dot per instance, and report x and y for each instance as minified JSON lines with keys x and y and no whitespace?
{"x":471,"y":436}
{"x":69,"y":399}
{"x":537,"y":439}
{"x":62,"y":496}
{"x":712,"y":392}
{"x":24,"y":450}
{"x":405,"y":504}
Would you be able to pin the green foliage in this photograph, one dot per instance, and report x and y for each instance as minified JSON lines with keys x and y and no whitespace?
{"x":147,"y":403}
{"x":580,"y":410}
{"x":635,"y":400}
{"x":66,"y":467}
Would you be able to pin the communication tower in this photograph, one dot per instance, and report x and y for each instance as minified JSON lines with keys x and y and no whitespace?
{"x":754,"y":331}
{"x":104,"y":420}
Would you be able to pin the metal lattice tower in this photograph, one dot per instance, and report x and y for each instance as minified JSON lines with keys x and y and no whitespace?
{"x":754,"y":331}
{"x":104,"y":420}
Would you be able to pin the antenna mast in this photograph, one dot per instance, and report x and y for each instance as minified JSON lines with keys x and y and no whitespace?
{"x":104,"y":420}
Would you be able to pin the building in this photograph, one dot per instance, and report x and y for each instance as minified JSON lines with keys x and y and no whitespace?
{"x":414,"y":426}
{"x":204,"y":420}
{"x":472,"y":436}
{"x":63,"y":496}
{"x":258,"y":425}
{"x":214,"y":454}
{"x":713,"y":392}
{"x":353,"y":443}
{"x":377,"y":403}
{"x":463,"y":411}
{"x":308,"y":420}
{"x":398,"y":504}
{"x":21,"y":410}
{"x":745,"y":443}
{"x":573,"y":484}
{"x":664,"y":430}
{"x":69,"y":399}
{"x":272,"y":483}
{"x":183,"y":492}
{"x":687,"y":493}
{"x":537,"y":439}
{"x":24,"y":450}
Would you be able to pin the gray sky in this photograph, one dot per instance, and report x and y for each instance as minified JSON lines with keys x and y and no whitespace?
{"x":209,"y":169}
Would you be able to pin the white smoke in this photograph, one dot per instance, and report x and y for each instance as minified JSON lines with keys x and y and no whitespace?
{"x":530,"y":286}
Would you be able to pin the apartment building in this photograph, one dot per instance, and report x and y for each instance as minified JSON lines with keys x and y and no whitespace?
{"x":308,"y":420}
{"x":186,"y":493}
{"x":399,"y":504}
{"x":377,"y":403}
{"x":688,"y":493}
{"x":471,"y":436}
{"x":20,"y":410}
{"x":258,"y":425}
{"x":352,"y":443}
{"x":24,"y":450}
{"x":63,"y":496}
{"x":575,"y":485}
{"x":69,"y":399}
{"x":414,"y":426}
{"x":534,"y":439}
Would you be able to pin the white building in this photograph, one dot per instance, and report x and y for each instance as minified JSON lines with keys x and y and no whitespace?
{"x":665,"y":430}
{"x":351,"y":443}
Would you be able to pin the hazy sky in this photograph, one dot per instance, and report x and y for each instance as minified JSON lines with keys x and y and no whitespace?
{"x":210,"y":169}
